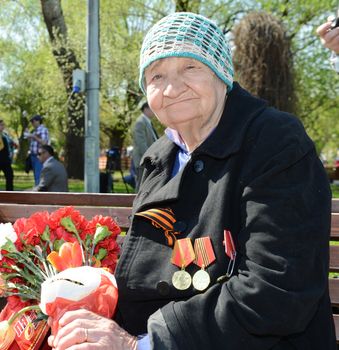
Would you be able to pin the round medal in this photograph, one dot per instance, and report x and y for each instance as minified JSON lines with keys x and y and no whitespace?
{"x":201,"y":280}
{"x":181,"y":280}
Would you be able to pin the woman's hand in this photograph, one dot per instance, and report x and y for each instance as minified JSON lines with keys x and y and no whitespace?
{"x":82,"y":329}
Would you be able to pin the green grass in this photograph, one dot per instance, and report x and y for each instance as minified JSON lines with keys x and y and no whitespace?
{"x":25,"y":182}
{"x":335,"y":190}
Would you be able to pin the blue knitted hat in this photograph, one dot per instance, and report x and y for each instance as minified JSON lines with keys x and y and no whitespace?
{"x":185,"y":34}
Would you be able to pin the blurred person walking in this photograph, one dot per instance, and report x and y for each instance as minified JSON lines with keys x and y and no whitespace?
{"x":38,"y":137}
{"x":6,"y":156}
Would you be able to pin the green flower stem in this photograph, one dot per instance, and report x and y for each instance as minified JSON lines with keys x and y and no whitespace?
{"x":22,"y":311}
{"x":29,"y":264}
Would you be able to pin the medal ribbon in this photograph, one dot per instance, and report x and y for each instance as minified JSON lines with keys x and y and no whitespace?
{"x":162,"y":218}
{"x":229,"y":245}
{"x":183,"y":253}
{"x":230,"y":251}
{"x":204,"y":254}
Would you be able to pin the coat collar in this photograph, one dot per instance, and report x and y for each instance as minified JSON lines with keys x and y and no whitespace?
{"x":240,"y":109}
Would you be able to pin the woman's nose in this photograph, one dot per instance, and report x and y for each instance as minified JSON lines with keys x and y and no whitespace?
{"x":174,"y":86}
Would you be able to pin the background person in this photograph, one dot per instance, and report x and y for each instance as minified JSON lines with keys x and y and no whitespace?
{"x":143,"y":136}
{"x":53,"y":174}
{"x":228,"y":166}
{"x":38,"y":137}
{"x":329,"y":37}
{"x":6,"y":154}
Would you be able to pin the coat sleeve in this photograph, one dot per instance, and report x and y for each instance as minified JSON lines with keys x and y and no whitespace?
{"x":282,"y":251}
{"x":46,"y":179}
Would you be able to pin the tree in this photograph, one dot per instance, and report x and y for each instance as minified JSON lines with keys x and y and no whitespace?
{"x":30,"y":79}
{"x":67,"y":62}
{"x":187,"y":6}
{"x":263,"y":59}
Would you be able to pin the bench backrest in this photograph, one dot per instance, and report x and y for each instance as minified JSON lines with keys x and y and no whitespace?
{"x":14,"y":205}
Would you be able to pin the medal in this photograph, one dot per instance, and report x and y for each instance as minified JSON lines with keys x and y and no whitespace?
{"x":201,"y":280}
{"x":181,"y":280}
{"x":182,"y":256}
{"x":204,"y":256}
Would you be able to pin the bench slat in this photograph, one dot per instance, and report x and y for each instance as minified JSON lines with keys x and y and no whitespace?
{"x":68,"y":198}
{"x":11,"y":212}
{"x":334,"y":258}
{"x":336,"y":325}
{"x":335,"y":227}
{"x":335,"y":205}
{"x":333,"y":284}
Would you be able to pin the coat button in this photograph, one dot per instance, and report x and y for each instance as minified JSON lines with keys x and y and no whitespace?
{"x":163,"y":288}
{"x":179,"y":226}
{"x":198,"y":166}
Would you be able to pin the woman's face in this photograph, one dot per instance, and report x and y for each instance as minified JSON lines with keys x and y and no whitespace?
{"x":183,"y":90}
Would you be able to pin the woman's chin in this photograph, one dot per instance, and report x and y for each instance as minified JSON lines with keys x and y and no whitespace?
{"x":182,"y":115}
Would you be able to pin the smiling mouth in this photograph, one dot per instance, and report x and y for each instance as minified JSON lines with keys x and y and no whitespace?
{"x":181,"y":101}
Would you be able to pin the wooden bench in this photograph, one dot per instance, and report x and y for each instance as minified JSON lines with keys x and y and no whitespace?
{"x":14,"y":205}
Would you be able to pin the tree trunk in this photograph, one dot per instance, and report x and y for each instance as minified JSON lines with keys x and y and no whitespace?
{"x":187,"y":6}
{"x":264,"y":66}
{"x":67,"y":62}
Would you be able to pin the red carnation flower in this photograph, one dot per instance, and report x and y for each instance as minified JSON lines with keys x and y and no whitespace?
{"x":113,"y":251}
{"x":61,"y":234}
{"x":15,"y":303}
{"x":30,"y":230}
{"x":78,"y":220}
{"x":104,"y":221}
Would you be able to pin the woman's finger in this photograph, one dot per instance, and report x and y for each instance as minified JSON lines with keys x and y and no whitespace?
{"x":70,"y":336}
{"x":323,"y":29}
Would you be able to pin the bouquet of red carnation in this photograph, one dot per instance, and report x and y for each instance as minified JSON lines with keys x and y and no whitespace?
{"x":51,"y":263}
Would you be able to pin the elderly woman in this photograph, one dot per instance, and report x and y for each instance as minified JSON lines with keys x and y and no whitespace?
{"x":228,"y":245}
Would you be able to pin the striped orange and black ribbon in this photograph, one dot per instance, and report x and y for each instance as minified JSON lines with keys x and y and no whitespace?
{"x":162,"y":218}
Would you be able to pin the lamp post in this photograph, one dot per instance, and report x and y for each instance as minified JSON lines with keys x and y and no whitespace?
{"x":92,"y":98}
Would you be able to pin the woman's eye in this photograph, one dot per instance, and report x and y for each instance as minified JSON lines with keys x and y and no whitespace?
{"x":153,"y":78}
{"x":156,"y":77}
{"x":190,"y":66}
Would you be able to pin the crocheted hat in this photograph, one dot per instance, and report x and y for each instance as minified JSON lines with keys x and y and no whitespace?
{"x":185,"y":34}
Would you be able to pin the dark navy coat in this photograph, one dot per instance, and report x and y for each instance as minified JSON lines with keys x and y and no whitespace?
{"x":257,"y":175}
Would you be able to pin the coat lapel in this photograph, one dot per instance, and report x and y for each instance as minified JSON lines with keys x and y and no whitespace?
{"x":240,"y":110}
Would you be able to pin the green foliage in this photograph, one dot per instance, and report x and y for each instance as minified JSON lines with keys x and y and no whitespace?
{"x":31,"y":81}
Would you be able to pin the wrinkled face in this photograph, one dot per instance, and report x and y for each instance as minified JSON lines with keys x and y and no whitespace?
{"x":183,"y":90}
